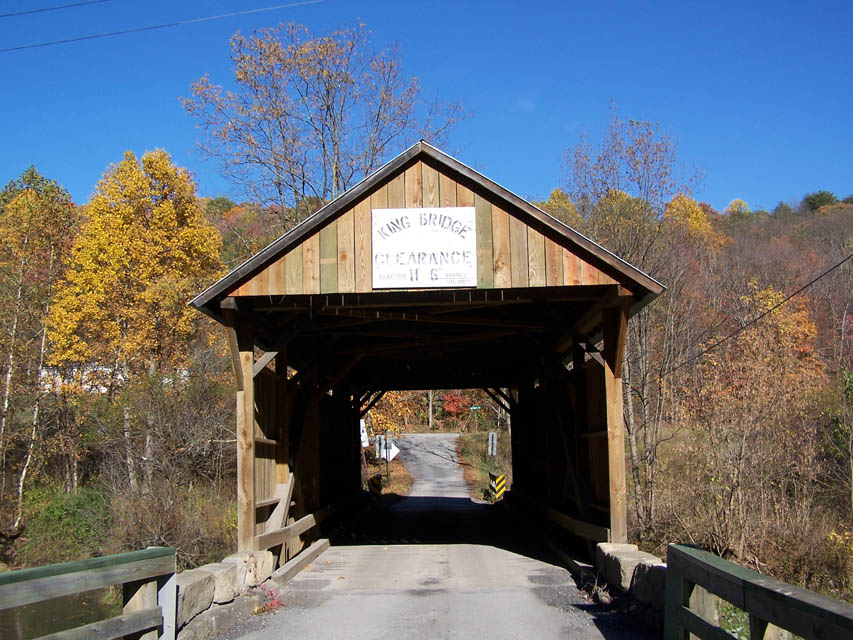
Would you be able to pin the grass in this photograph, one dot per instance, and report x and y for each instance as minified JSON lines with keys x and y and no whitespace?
{"x":401,"y":480}
{"x":734,"y":620}
{"x":472,"y":451}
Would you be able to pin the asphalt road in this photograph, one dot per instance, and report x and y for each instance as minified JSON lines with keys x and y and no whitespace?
{"x":437,"y":565}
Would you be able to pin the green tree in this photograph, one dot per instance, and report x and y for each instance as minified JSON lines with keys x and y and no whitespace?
{"x":311,"y":115}
{"x":818,"y":199}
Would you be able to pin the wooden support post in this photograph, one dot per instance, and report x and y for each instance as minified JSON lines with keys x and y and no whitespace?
{"x":282,"y":450}
{"x":246,"y":442}
{"x":138,"y":596}
{"x":677,"y":595}
{"x":614,"y":326}
{"x":142,"y":595}
{"x":229,"y":316}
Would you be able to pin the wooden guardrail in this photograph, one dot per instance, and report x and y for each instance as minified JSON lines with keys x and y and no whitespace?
{"x":592,"y":532}
{"x":766,"y":600}
{"x":148,"y":582}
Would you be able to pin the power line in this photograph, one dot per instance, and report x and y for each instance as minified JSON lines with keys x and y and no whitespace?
{"x":62,"y":6}
{"x":755,"y":319}
{"x":160,"y":26}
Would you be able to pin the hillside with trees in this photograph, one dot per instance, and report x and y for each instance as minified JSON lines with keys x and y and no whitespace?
{"x":117,"y":412}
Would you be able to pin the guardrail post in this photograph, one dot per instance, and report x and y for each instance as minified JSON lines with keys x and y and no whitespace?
{"x":138,"y":596}
{"x":149,"y":594}
{"x":677,"y":595}
{"x":167,"y":598}
{"x":757,"y":627}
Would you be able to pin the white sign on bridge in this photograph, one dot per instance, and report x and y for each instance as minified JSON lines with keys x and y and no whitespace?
{"x":424,"y":248}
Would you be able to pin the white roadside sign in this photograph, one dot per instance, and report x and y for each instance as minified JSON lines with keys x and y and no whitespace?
{"x":390,"y":452}
{"x":424,"y":248}
{"x":386,"y":449}
{"x":364,"y":440}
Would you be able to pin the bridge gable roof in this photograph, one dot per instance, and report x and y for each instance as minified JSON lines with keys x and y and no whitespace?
{"x":519,"y":246}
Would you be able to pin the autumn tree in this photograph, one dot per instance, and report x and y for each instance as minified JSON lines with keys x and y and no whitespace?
{"x":310,"y":115}
{"x":121,"y":313}
{"x":36,"y":218}
{"x":753,"y":463}
{"x":633,"y":197}
{"x":560,"y":206}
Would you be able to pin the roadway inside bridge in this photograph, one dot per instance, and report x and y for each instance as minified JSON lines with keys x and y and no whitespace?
{"x":436,"y":564}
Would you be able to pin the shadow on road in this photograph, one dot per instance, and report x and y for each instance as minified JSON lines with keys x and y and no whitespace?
{"x":405,"y":520}
{"x":439,"y":520}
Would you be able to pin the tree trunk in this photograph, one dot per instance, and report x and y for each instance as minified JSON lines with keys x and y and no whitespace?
{"x":128,"y":456}
{"x":630,"y":426}
{"x":7,"y":386}
{"x":429,"y":409}
{"x":19,"y":510}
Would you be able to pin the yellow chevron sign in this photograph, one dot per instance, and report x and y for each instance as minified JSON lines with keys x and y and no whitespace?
{"x":497,"y":484}
{"x":375,"y":486}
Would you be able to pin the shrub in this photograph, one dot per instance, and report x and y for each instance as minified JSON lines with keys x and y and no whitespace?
{"x":64,"y":526}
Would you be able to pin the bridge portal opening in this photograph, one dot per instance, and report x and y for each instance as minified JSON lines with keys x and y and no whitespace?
{"x":427,"y":275}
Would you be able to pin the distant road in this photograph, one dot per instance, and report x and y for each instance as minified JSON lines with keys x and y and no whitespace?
{"x":432,"y":463}
{"x":437,"y":565}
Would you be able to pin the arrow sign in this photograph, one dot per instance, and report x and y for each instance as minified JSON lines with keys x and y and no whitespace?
{"x":389,"y":451}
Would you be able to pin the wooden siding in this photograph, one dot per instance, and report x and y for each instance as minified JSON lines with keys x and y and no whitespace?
{"x":338,"y":258}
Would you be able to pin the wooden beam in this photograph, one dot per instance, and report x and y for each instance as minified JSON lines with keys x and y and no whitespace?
{"x":615,"y":326}
{"x":230,"y":317}
{"x":370,"y":404}
{"x":285,"y":534}
{"x":28,"y":586}
{"x":498,"y":400}
{"x":385,"y":316}
{"x":340,"y":373}
{"x":246,"y":442}
{"x":572,"y":525}
{"x":286,"y":572}
{"x":616,"y":295}
{"x":262,"y":362}
{"x":435,"y":340}
{"x":127,"y":625}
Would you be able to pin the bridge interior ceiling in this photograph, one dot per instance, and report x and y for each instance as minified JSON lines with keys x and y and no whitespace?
{"x":421,"y":340}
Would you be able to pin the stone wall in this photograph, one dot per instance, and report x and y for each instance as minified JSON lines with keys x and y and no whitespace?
{"x":213,"y":597}
{"x":642,"y":576}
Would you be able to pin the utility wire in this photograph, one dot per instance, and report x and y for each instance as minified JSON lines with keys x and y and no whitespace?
{"x":160,"y":26}
{"x":62,"y":6}
{"x":754,"y":320}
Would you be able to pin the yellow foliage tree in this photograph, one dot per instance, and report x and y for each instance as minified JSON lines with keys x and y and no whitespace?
{"x":737,"y":207}
{"x":144,"y":249}
{"x":392,"y":413}
{"x":684,"y":214}
{"x":561,"y":207}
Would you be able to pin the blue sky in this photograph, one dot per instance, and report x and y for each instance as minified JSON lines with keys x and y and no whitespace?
{"x":758,"y":95}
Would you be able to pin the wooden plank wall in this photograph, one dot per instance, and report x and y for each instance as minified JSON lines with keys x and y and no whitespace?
{"x":267,"y":431}
{"x":338,"y":258}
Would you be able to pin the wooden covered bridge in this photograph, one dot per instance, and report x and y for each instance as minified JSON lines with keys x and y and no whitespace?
{"x":427,"y":275}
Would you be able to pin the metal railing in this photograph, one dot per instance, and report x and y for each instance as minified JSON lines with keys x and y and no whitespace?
{"x":148,"y":584}
{"x":765,"y":599}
